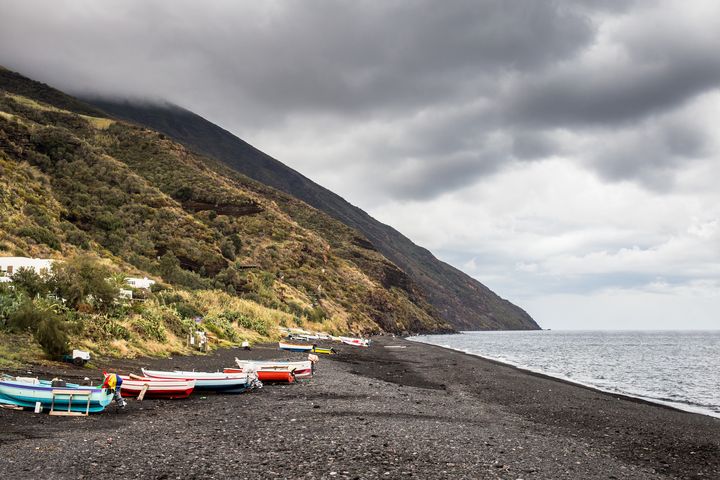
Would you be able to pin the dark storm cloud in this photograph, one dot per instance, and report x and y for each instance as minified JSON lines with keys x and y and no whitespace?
{"x":580,"y":97}
{"x":338,"y":56}
{"x":492,"y":80}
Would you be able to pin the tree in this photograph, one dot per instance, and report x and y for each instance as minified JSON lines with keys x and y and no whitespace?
{"x":49,"y":329}
{"x":29,"y":281}
{"x":84,"y":279}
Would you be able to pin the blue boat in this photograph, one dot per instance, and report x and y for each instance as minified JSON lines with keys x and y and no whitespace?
{"x":294,"y":347}
{"x":26,"y":392}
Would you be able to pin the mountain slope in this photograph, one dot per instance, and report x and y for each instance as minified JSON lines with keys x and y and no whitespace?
{"x":461,"y":300}
{"x":73,"y":180}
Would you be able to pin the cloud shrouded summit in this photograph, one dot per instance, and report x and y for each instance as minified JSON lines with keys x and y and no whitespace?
{"x":431,"y":115}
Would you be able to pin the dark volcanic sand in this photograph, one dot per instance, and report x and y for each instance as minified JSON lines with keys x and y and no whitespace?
{"x":419,"y":412}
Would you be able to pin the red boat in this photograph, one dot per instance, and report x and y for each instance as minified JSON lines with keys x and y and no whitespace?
{"x":268,"y":375}
{"x":133,"y":385}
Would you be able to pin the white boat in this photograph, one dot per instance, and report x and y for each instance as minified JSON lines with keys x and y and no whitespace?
{"x":302,"y":369}
{"x":214,"y":381}
{"x":357,"y":342}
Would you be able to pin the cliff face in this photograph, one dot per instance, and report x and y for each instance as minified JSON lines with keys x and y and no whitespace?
{"x":461,"y":301}
{"x":74,"y":179}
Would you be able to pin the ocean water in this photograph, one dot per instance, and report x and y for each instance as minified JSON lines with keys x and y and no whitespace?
{"x":677,"y":368}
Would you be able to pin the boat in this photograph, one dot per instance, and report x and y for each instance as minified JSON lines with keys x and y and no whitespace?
{"x":294,"y":347}
{"x":26,"y":392}
{"x":301,"y":369}
{"x":211,"y":381}
{"x":133,"y":385}
{"x":284,"y":374}
{"x":303,"y":337}
{"x":324,"y":351}
{"x":357,"y":342}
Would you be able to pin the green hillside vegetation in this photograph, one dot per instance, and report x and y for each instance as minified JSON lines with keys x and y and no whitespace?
{"x":459,"y":299}
{"x":242,"y":255}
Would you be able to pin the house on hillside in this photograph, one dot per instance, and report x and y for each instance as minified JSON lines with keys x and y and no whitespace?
{"x":10,"y":265}
{"x":141,"y":283}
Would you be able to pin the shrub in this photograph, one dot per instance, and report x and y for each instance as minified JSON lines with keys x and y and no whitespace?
{"x":185,"y":310}
{"x":221,"y":327}
{"x":316,"y":314}
{"x":10,"y":301}
{"x":150,"y":326}
{"x":49,"y":329}
{"x":83,"y":279}
{"x":29,"y":281}
{"x":245,"y":321}
{"x":40,"y":235}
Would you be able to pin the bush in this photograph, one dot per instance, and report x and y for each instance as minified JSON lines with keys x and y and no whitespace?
{"x":150,"y":326}
{"x":316,"y":315}
{"x":245,"y":321}
{"x":83,"y":279}
{"x":40,"y":235}
{"x":221,"y":327}
{"x":49,"y":329}
{"x":10,"y":301}
{"x":28,"y":281}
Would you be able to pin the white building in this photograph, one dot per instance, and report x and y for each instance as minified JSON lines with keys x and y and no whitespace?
{"x":10,"y":265}
{"x":143,"y":283}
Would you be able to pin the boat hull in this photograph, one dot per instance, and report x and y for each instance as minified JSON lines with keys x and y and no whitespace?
{"x":293,"y":347}
{"x":27,"y":395}
{"x":302,"y":369}
{"x":156,"y":388}
{"x":214,"y":382}
{"x":269,"y":376}
{"x":355,"y":342}
{"x":324,"y":351}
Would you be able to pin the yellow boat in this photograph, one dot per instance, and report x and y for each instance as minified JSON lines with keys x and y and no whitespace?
{"x":326,"y":351}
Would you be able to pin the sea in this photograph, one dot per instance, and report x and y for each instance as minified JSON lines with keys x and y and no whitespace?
{"x":676,"y":368}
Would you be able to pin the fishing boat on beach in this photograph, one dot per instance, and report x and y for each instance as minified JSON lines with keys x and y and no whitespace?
{"x":303,"y":337}
{"x":294,"y":347}
{"x":356,"y":342}
{"x":301,"y":369}
{"x":269,"y":375}
{"x":211,"y":381}
{"x":134,"y":385}
{"x":69,"y":397}
{"x":324,"y":351}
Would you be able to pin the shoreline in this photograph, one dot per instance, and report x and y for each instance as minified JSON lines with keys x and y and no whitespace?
{"x":677,"y":406}
{"x":422,"y":411}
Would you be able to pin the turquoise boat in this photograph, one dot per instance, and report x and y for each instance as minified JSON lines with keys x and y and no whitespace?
{"x":26,"y":392}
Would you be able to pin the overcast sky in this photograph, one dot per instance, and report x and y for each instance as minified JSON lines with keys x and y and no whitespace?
{"x":566,"y":154}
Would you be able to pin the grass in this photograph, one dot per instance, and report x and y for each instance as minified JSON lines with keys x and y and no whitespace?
{"x":99,"y":123}
{"x":18,"y":350}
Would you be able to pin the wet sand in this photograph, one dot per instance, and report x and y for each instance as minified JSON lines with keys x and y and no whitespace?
{"x":418,"y":412}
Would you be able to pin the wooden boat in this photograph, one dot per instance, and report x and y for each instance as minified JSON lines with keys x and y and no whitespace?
{"x":303,"y":337}
{"x":26,"y":392}
{"x":294,"y":347}
{"x":301,"y":369}
{"x":211,"y":381}
{"x":283,"y":375}
{"x":357,"y":342}
{"x":133,"y":385}
{"x":324,"y":351}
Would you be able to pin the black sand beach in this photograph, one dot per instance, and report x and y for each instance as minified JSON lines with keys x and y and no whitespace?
{"x":418,"y":412}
